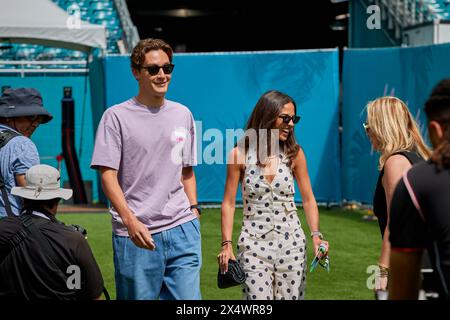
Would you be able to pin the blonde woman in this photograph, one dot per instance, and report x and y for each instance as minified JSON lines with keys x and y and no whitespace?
{"x":395,"y":135}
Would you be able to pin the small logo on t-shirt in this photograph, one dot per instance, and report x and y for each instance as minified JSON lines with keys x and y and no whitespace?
{"x":179,"y":135}
{"x":178,"y":140}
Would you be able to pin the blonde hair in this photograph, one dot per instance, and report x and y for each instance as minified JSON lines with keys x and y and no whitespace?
{"x":394,"y":128}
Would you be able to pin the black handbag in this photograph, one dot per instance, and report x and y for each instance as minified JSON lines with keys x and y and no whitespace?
{"x":233,"y":277}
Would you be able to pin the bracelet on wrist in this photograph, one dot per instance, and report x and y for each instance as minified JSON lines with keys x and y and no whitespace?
{"x":196,"y":206}
{"x":384,"y":272}
{"x":317,"y":234}
{"x":382,"y":265}
{"x":226,"y":242}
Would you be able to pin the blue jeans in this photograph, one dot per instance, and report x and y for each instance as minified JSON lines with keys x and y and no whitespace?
{"x":171,"y":272}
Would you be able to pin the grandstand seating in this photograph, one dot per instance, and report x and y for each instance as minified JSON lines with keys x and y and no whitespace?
{"x":104,"y":12}
{"x":433,"y":9}
{"x":400,"y":15}
{"x":101,"y":12}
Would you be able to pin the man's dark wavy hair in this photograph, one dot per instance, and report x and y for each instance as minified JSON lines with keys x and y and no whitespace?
{"x":437,"y":108}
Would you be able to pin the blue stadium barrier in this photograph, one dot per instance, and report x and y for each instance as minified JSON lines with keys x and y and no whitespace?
{"x":408,"y":73}
{"x":222,"y":89}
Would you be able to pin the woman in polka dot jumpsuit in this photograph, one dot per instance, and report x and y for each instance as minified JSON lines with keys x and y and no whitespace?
{"x":271,"y":246}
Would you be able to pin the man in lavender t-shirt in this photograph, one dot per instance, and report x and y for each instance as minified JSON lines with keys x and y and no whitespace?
{"x":145,"y":151}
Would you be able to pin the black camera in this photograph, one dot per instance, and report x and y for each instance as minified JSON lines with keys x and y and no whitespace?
{"x":79,"y":229}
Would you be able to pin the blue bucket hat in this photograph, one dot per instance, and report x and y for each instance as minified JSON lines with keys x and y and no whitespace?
{"x":23,"y":102}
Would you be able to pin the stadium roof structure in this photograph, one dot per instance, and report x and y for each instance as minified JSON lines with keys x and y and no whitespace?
{"x":45,"y":23}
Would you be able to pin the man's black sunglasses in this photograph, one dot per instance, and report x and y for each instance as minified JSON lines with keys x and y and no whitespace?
{"x":153,"y":69}
{"x":287,"y":119}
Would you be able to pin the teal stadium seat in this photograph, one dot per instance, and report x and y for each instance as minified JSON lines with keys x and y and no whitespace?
{"x":49,"y":54}
{"x":27,"y":51}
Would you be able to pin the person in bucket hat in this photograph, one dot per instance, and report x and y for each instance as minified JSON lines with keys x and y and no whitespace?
{"x":41,"y":257}
{"x":21,"y":112}
{"x":42,"y":183}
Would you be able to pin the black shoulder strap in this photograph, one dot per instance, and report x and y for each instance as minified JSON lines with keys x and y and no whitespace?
{"x":37,"y":234}
{"x":5,"y":137}
{"x":412,"y":157}
{"x":28,"y":229}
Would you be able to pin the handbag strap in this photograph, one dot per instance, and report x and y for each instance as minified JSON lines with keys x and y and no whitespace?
{"x":412,"y":195}
{"x":5,"y":137}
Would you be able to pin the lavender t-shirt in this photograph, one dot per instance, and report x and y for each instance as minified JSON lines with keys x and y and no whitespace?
{"x":149,"y":147}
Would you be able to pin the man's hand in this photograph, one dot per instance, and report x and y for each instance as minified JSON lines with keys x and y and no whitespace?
{"x":140,"y":235}
{"x":196,"y":212}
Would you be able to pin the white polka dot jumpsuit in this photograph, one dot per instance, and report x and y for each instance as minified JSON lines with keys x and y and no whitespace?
{"x":271,"y":246}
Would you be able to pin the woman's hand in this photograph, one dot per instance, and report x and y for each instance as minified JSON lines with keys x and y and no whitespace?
{"x":381,"y":280}
{"x":224,"y":256}
{"x":316,"y":243}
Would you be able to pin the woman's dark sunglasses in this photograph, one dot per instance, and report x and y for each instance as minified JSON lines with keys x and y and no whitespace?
{"x":287,"y":119}
{"x":153,"y":69}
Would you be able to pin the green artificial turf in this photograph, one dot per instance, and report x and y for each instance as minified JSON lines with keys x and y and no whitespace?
{"x":354,"y":246}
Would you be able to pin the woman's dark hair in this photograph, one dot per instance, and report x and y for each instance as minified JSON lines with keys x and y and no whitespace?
{"x":265,"y":115}
{"x":437,"y":108}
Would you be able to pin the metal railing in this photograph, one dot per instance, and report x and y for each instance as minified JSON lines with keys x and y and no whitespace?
{"x":129,"y":29}
{"x":400,"y":14}
{"x":408,"y":13}
{"x":22,"y":67}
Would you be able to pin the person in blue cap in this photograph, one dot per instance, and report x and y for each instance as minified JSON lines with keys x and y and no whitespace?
{"x":21,"y":112}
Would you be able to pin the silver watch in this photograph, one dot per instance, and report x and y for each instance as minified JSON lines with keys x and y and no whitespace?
{"x":318,"y":234}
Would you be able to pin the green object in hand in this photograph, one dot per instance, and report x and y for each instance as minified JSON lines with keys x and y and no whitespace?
{"x":323,"y":262}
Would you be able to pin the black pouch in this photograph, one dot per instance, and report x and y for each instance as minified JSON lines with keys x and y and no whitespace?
{"x":234,"y":276}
